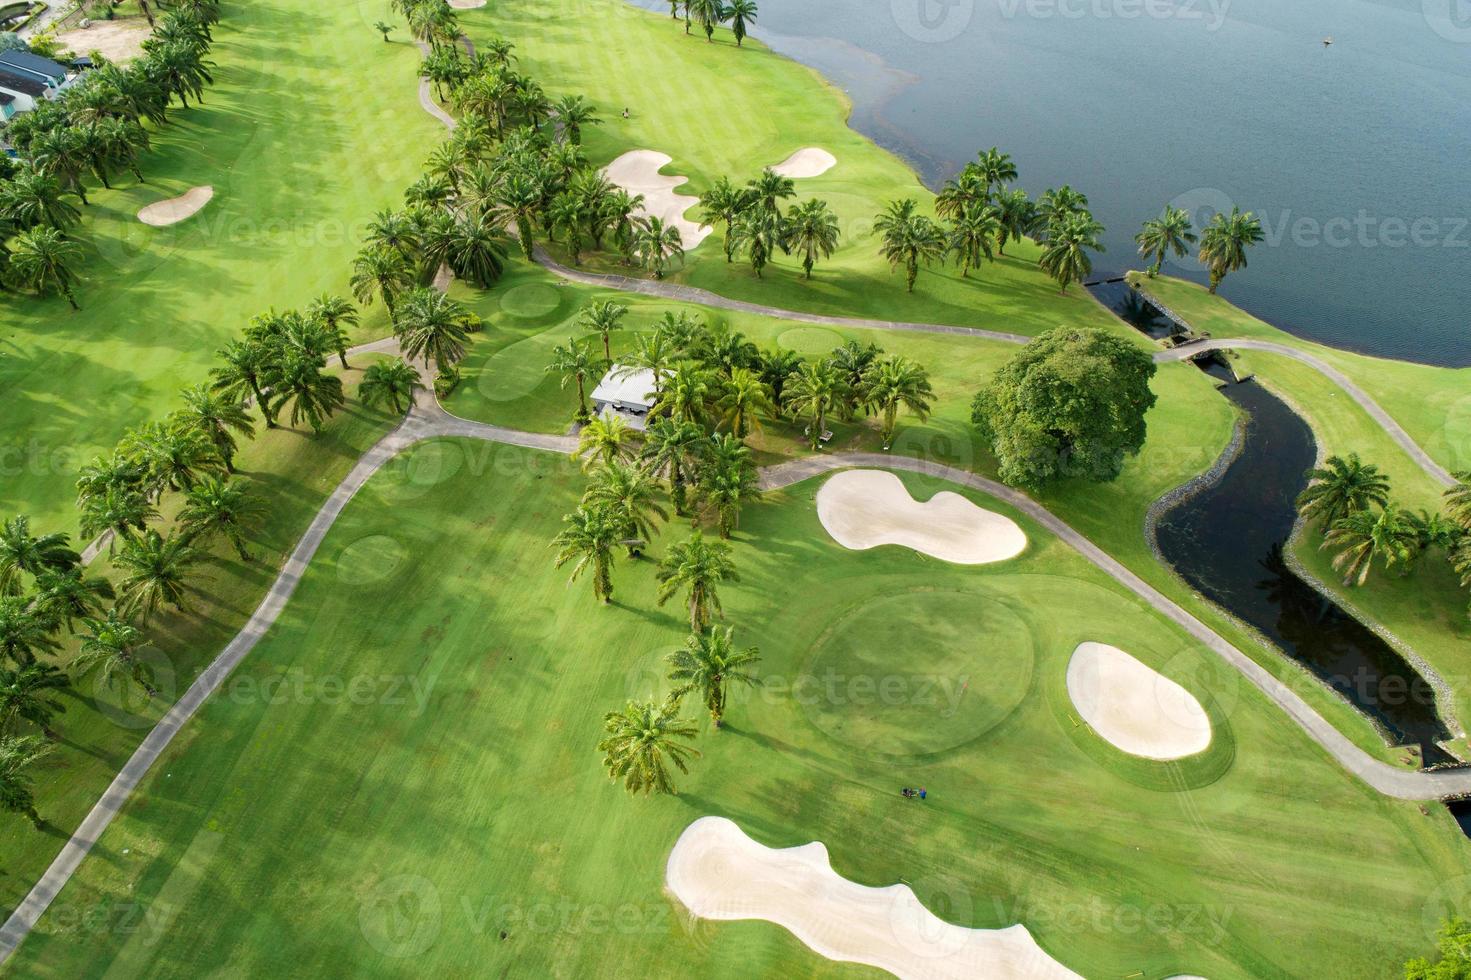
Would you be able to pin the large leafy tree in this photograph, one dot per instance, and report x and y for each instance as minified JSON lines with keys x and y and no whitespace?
{"x":1070,"y":404}
{"x":708,"y":664}
{"x":642,"y":741}
{"x":1454,"y":943}
{"x":697,"y":567}
{"x":1341,"y":487}
{"x":1224,"y":242}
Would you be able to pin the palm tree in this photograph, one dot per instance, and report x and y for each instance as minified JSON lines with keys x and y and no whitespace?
{"x":708,"y":664}
{"x":892,"y":383}
{"x":724,"y":350}
{"x":18,"y":755}
{"x":814,"y":390}
{"x":812,"y":230}
{"x":62,"y":597}
{"x":1341,"y":487}
{"x":725,"y":202}
{"x":42,"y":258}
{"x":395,"y":231}
{"x":1364,"y":535}
{"x":589,"y":536}
{"x":181,"y":70}
{"x":972,"y":235}
{"x":474,"y":247}
{"x":223,"y":507}
{"x":1170,"y":232}
{"x":639,"y":742}
{"x":607,"y":439}
{"x":384,"y":29}
{"x":1458,"y":500}
{"x":23,"y":631}
{"x":669,"y":450}
{"x":30,"y":198}
{"x":431,"y":325}
{"x":1065,"y":254}
{"x":22,"y":552}
{"x":27,"y":693}
{"x":218,"y":418}
{"x":742,"y":398}
{"x":776,"y":366}
{"x":1056,"y":206}
{"x":573,"y":112}
{"x":314,"y":395}
{"x":1224,"y":242}
{"x":996,"y":168}
{"x":963,"y":193}
{"x":574,"y":361}
{"x":741,"y":14}
{"x":653,"y":352}
{"x":909,"y":238}
{"x":335,"y":313}
{"x":708,"y":13}
{"x":686,"y":396}
{"x":120,"y":510}
{"x":603,"y":318}
{"x":769,"y":188}
{"x":727,"y":481}
{"x":758,"y":231}
{"x":382,"y":273}
{"x":656,"y":243}
{"x":697,"y":567}
{"x":110,"y":646}
{"x":154,"y":569}
{"x":519,"y":203}
{"x":390,"y":383}
{"x":630,"y":494}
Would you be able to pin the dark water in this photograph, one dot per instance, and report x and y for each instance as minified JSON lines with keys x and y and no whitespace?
{"x":1354,"y":154}
{"x":1227,"y":543}
{"x":1461,"y":810}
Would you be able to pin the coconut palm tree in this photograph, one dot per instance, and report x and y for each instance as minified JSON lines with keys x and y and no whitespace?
{"x":568,"y":218}
{"x":30,"y":198}
{"x":852,"y":360}
{"x":154,"y":570}
{"x":654,"y":352}
{"x":1224,"y":242}
{"x":723,"y":350}
{"x":630,"y":494}
{"x":64,"y":596}
{"x":1341,"y":487}
{"x":769,"y":189}
{"x":909,"y":239}
{"x":218,"y":506}
{"x":574,"y":361}
{"x":1458,"y":500}
{"x":123,"y":511}
{"x":24,"y":632}
{"x":697,"y":567}
{"x":892,"y":383}
{"x":336,"y":314}
{"x":1065,"y":253}
{"x":741,"y":14}
{"x":725,"y":202}
{"x":656,"y":243}
{"x":708,"y":664}
{"x":573,"y":112}
{"x":1057,"y":205}
{"x":391,"y":384}
{"x":28,"y":693}
{"x":588,"y":537}
{"x":743,"y":397}
{"x":669,"y":451}
{"x":727,"y":481}
{"x":473,"y":246}
{"x":776,"y":366}
{"x":313,"y":394}
{"x":181,"y":70}
{"x":431,"y":325}
{"x":519,"y":204}
{"x":813,"y":391}
{"x":707,"y":13}
{"x":812,"y":231}
{"x":395,"y":231}
{"x":686,"y":396}
{"x":603,"y":317}
{"x":758,"y":231}
{"x":42,"y":259}
{"x":967,"y":191}
{"x":110,"y":645}
{"x":219,"y":418}
{"x":18,"y":756}
{"x":63,"y":153}
{"x":24,"y":553}
{"x":606,"y":440}
{"x":1365,"y":535}
{"x":1171,"y":232}
{"x":996,"y":168}
{"x":640,"y":743}
{"x":381,"y":273}
{"x":172,"y":458}
{"x":972,"y":236}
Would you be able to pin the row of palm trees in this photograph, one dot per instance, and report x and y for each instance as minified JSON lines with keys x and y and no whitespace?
{"x":1223,"y":243}
{"x":710,"y":14}
{"x":756,"y":226}
{"x":94,"y":130}
{"x":1350,"y":502}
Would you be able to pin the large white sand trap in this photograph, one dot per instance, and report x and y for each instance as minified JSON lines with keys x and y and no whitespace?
{"x":863,"y":509}
{"x":720,"y":873}
{"x":1133,"y":706}
{"x":467,"y":4}
{"x":810,"y":161}
{"x":637,"y":172}
{"x":176,"y":209}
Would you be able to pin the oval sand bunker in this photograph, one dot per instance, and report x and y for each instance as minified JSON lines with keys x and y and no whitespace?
{"x":176,"y":209}
{"x":720,"y":873}
{"x":1135,"y":708}
{"x":810,"y":161}
{"x":863,"y":509}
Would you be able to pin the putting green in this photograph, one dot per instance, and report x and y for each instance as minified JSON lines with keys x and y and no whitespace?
{"x":917,"y":673}
{"x":810,"y":341}
{"x":370,"y":560}
{"x":531,"y":300}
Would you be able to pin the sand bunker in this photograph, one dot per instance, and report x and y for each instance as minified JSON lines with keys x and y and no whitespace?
{"x":863,"y":509}
{"x":467,"y":4}
{"x":117,"y":40}
{"x":1138,"y":710}
{"x":176,"y":209}
{"x":720,"y":873}
{"x":810,"y":161}
{"x":637,"y":172}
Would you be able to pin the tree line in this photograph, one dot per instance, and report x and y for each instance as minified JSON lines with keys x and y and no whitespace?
{"x":94,"y":130}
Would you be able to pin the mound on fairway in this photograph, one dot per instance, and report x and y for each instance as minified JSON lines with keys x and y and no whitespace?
{"x":176,"y":209}
{"x":863,"y":509}
{"x":637,"y":172}
{"x":720,"y":873}
{"x":1137,"y":709}
{"x":810,"y":161}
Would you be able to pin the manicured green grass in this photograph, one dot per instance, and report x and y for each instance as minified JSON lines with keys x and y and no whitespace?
{"x":292,"y":473}
{"x":455,"y":819}
{"x":312,"y":125}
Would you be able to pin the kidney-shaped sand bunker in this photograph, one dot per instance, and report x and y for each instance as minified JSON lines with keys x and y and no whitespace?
{"x":863,"y":509}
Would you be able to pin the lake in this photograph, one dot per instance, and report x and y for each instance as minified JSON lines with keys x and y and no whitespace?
{"x":1353,"y":154}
